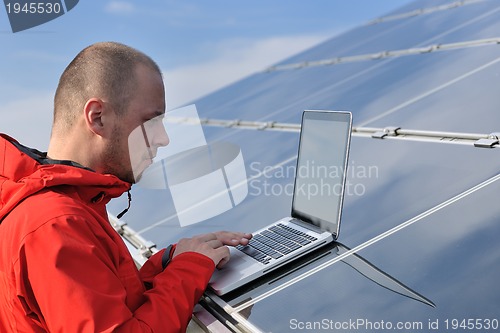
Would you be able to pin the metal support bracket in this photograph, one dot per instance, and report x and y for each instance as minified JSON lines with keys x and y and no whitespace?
{"x":145,"y":247}
{"x":489,"y":142}
{"x":268,"y":124}
{"x":233,"y":123}
{"x":388,"y":131}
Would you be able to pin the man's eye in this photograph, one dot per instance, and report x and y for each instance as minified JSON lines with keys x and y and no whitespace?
{"x":156,"y":121}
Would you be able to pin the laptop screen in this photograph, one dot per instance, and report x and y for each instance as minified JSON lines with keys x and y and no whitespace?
{"x":321,"y":168}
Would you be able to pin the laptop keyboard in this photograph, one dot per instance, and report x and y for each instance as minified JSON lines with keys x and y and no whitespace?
{"x":275,"y":242}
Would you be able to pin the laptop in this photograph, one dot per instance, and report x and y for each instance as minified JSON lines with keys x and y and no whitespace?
{"x":319,"y":187}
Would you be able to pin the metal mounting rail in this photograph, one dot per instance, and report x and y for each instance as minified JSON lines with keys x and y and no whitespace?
{"x":476,"y":140}
{"x":140,"y":248}
{"x":423,"y":11}
{"x":385,"y":54}
{"x":144,"y":248}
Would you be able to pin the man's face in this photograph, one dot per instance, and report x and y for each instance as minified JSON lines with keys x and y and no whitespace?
{"x":139,"y":132}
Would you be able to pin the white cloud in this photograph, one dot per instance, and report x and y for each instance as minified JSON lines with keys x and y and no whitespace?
{"x":235,"y":59}
{"x":120,"y":7}
{"x":28,"y":120}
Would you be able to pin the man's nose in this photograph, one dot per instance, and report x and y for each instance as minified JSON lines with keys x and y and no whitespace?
{"x":161,"y":138}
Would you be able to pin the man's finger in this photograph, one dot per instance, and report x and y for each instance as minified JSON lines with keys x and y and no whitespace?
{"x":233,"y":238}
{"x":214,"y":244}
{"x":206,"y":237}
{"x":223,"y":254}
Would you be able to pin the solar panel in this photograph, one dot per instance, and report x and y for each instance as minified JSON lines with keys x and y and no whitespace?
{"x":449,"y":252}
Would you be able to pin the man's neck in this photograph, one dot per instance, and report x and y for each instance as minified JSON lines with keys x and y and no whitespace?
{"x":70,"y":149}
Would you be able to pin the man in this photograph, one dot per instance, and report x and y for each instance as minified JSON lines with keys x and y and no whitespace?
{"x":63,"y":268}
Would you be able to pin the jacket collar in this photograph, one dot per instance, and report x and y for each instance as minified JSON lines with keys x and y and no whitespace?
{"x":25,"y":171}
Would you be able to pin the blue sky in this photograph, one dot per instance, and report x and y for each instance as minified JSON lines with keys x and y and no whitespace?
{"x":200,"y":46}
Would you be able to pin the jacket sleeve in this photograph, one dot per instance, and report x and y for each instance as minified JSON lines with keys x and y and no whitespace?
{"x":154,"y":266}
{"x":69,"y":281}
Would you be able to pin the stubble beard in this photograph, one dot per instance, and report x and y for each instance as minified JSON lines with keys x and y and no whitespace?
{"x":117,"y":159}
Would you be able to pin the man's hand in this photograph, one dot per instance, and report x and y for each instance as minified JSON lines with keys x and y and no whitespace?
{"x":213,"y":245}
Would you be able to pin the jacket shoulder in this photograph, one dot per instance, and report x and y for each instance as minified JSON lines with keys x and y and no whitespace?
{"x":61,"y":209}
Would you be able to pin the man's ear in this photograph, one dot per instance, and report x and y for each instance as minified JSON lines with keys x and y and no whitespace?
{"x":94,"y":112}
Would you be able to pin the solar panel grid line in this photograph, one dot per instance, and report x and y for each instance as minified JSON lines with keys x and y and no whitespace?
{"x":430,"y":92}
{"x":366,"y":244}
{"x":243,"y":323}
{"x":377,"y":55}
{"x":423,"y":11}
{"x":246,"y":325}
{"x":363,"y":41}
{"x":387,"y":54}
{"x":376,"y":65}
{"x":462,"y":25}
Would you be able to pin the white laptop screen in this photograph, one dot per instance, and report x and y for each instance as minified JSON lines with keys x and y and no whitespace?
{"x":321,"y":165}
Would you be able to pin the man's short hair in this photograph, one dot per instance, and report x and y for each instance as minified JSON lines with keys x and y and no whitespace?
{"x":103,"y":70}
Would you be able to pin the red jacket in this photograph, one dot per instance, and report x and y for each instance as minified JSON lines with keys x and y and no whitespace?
{"x":63,"y":268}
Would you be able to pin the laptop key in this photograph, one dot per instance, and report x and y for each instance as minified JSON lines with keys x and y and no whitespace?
{"x":275,"y":245}
{"x":300,"y":233}
{"x":264,"y":248}
{"x":275,"y":242}
{"x":287,"y":234}
{"x":257,"y":255}
{"x":280,"y":239}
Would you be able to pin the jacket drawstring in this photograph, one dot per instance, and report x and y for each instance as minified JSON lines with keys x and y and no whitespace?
{"x":119,"y":216}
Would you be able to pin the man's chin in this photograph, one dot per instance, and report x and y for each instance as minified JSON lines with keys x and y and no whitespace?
{"x":137,"y":178}
{"x":128,"y":178}
{"x":139,"y":171}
